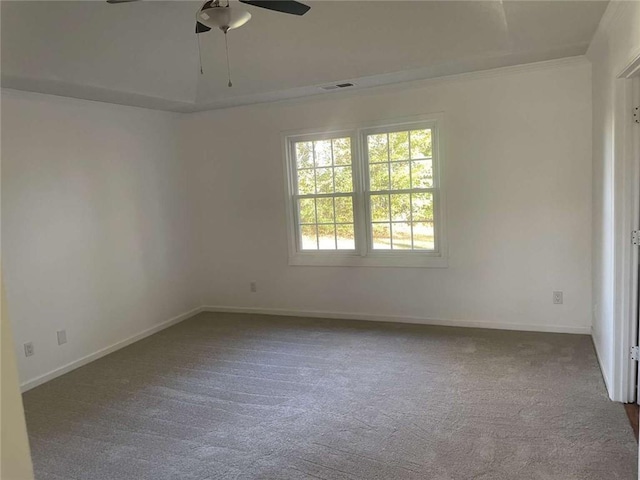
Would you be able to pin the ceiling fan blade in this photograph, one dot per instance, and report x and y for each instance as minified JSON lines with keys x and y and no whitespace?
{"x":200,"y":28}
{"x":284,"y":6}
{"x":121,"y":1}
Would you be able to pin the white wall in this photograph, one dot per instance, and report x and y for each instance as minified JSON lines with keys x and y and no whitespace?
{"x":97,"y":232}
{"x":116,"y":219}
{"x":615,"y":44}
{"x":518,"y":186}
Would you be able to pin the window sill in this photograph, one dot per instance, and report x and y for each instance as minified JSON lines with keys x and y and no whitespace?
{"x":408,"y":260}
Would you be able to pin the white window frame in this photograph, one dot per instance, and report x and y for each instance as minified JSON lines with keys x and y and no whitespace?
{"x":364,"y":255}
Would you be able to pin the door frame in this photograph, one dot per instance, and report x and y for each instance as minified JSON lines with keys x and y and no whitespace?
{"x":627,"y":219}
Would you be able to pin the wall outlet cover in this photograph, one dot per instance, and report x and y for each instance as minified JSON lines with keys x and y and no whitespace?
{"x":28,"y":349}
{"x":62,"y":337}
{"x":557,"y":298}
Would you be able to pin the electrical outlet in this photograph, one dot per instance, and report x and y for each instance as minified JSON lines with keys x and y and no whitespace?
{"x":28,"y":349}
{"x":557,"y":298}
{"x":62,"y":337}
{"x":253,"y":287}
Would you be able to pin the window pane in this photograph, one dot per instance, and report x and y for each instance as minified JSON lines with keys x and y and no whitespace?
{"x":342,"y":151}
{"x":422,"y":174}
{"x":308,"y":237}
{"x":346,"y":237}
{"x":344,"y":181}
{"x":307,"y":210}
{"x":306,"y":182}
{"x":399,"y":145}
{"x":324,"y":180}
{"x":377,"y":147}
{"x":304,"y":154}
{"x":344,"y":209}
{"x":380,"y":208}
{"x":379,"y":176}
{"x":381,"y":236}
{"x":401,"y":207}
{"x":423,"y":236}
{"x":421,"y":146}
{"x":327,"y":237}
{"x":324,"y":207}
{"x":400,"y":179}
{"x":401,"y":236}
{"x":323,"y":153}
{"x":422,"y":207}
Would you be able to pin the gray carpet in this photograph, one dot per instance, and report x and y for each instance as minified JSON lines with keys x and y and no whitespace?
{"x":225,"y":396}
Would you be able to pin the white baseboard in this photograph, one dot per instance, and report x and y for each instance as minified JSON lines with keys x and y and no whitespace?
{"x":603,"y":371}
{"x":400,"y":319}
{"x":34,"y":382}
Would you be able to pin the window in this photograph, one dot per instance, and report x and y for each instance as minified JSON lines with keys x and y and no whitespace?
{"x":325,"y":194}
{"x":366,"y":196}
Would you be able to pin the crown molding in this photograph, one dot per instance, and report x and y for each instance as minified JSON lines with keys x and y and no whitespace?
{"x":499,"y":71}
{"x":69,"y":90}
{"x":565,"y":62}
{"x":412,"y":79}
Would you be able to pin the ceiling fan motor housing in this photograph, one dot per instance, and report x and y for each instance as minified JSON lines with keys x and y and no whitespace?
{"x":224,"y":18}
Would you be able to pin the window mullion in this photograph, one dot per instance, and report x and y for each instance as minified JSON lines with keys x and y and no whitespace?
{"x":323,"y":195}
{"x":389,"y":195}
{"x":405,"y":191}
{"x":360,"y":186}
{"x":410,"y":186}
{"x":436,"y":220}
{"x":333,"y":201}
{"x":315,"y":189}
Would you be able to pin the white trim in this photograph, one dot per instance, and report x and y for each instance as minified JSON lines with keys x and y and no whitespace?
{"x":398,"y":319}
{"x":626,"y":219}
{"x":603,"y":370}
{"x":364,"y":255}
{"x":34,"y":382}
{"x":415,"y":78}
{"x":376,"y":84}
{"x":305,"y":98}
{"x":134,"y":101}
{"x":633,"y":68}
{"x":401,"y":260}
{"x":473,"y":75}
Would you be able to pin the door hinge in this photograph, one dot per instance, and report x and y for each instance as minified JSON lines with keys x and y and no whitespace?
{"x":635,"y":353}
{"x":636,"y":114}
{"x":635,"y":237}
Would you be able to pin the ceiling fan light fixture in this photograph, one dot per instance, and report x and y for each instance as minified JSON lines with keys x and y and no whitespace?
{"x":224,"y":18}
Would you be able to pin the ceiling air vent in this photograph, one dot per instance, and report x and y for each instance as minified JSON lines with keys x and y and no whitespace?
{"x":337,"y":86}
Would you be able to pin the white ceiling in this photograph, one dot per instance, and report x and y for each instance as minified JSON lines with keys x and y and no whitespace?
{"x":145,"y":53}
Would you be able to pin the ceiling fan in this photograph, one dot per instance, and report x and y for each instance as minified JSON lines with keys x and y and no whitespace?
{"x":224,"y":17}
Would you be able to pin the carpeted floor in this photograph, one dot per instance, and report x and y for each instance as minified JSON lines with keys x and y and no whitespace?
{"x":225,"y":396}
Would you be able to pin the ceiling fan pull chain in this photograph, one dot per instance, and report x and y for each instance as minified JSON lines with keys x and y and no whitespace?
{"x":200,"y":55}
{"x":226,"y":46}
